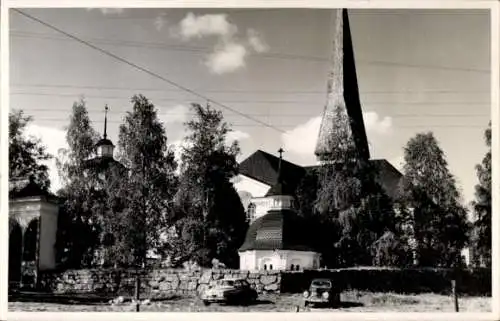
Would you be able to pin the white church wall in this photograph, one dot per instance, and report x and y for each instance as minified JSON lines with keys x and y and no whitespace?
{"x":48,"y":233}
{"x":265,"y":204}
{"x":250,"y":185}
{"x":262,"y":205}
{"x":278,"y":260}
{"x":305,"y":260}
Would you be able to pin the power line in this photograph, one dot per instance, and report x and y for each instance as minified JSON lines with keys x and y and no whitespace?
{"x":161,"y":46}
{"x":143,"y":69}
{"x":258,"y":101}
{"x":429,"y":126}
{"x":283,"y":115}
{"x":247,"y":91}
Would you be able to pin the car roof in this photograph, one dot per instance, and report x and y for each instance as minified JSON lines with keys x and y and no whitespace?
{"x":321,"y":280}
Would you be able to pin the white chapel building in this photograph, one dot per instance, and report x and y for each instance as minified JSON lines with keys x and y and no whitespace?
{"x":277,"y":238}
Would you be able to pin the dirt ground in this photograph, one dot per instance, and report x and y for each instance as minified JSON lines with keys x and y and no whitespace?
{"x":352,"y":301}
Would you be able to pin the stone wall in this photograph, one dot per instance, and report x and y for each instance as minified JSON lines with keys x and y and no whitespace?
{"x":159,"y":283}
{"x":155,"y":283}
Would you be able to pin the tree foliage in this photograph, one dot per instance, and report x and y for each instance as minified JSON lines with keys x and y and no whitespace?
{"x":432,"y":200}
{"x":211,"y":221}
{"x":79,"y":229}
{"x":26,"y":154}
{"x":482,"y":205}
{"x":142,"y":202}
{"x":391,"y":250}
{"x":350,"y":201}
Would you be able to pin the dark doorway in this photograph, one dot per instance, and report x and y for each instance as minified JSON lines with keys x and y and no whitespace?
{"x":15,"y":238}
{"x":30,"y":256}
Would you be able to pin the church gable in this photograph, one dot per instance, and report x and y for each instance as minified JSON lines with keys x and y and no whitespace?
{"x":263,"y":167}
{"x":259,"y":169}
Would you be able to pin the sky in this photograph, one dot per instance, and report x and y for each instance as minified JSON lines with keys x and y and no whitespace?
{"x":418,"y":71}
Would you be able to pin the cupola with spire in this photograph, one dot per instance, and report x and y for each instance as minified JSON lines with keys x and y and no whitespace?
{"x":104,"y":146}
{"x":281,"y":193}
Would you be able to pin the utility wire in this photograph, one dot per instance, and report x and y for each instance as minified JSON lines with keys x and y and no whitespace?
{"x":426,"y":126}
{"x":162,"y":46}
{"x":237,"y":91}
{"x":280,"y":114}
{"x":263,"y":101}
{"x":194,"y":93}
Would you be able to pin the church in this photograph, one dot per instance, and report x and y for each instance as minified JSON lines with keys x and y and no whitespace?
{"x":267,"y":183}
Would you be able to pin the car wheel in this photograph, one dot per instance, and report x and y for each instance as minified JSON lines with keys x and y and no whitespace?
{"x":306,"y":304}
{"x":206,"y":303}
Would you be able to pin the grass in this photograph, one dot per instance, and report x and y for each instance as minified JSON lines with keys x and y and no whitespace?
{"x":352,"y":301}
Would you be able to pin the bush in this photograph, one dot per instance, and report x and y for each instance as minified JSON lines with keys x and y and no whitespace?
{"x":379,"y":279}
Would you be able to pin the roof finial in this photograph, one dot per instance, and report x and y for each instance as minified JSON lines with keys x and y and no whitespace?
{"x":106,"y":108}
{"x":280,"y":151}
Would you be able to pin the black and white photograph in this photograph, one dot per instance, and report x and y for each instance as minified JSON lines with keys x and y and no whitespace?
{"x":250,"y":159}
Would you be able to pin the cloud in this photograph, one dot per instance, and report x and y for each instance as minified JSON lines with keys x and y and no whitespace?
{"x":227,"y":58}
{"x":193,"y":26}
{"x":54,"y":140}
{"x":178,"y":147}
{"x":256,"y":42}
{"x":302,"y":139}
{"x":376,"y":124}
{"x":160,"y":21}
{"x":229,"y":52}
{"x":108,"y":11}
{"x":236,"y":135}
{"x":176,"y":114}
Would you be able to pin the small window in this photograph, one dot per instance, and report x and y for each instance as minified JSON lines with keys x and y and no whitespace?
{"x":270,"y":266}
{"x":251,"y":211}
{"x":265,"y":266}
{"x":297,"y":267}
{"x":291,"y":267}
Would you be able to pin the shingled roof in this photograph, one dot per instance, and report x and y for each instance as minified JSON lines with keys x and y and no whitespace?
{"x":263,"y":167}
{"x":101,"y":163}
{"x":278,"y":230}
{"x":27,"y":187}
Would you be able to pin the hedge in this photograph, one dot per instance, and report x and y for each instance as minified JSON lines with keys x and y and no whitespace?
{"x":409,"y":280}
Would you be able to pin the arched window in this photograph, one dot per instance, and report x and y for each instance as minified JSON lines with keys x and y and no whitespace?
{"x":270,"y":266}
{"x":297,"y":267}
{"x":265,"y":266}
{"x":251,"y":211}
{"x":291,"y":267}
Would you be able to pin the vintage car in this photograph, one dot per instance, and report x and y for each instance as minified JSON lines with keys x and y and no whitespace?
{"x":322,"y":292}
{"x":229,"y":291}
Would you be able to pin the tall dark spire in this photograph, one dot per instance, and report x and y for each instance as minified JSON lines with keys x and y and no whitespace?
{"x":106,"y":108}
{"x":342,"y":91}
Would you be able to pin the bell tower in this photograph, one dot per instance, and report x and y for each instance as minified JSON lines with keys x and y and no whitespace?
{"x":105,"y":147}
{"x":342,"y":93}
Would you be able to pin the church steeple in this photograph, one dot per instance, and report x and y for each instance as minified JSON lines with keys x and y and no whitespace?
{"x":104,"y":146}
{"x":280,"y":178}
{"x":281,"y":188}
{"x":106,"y":108}
{"x":342,"y":92}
